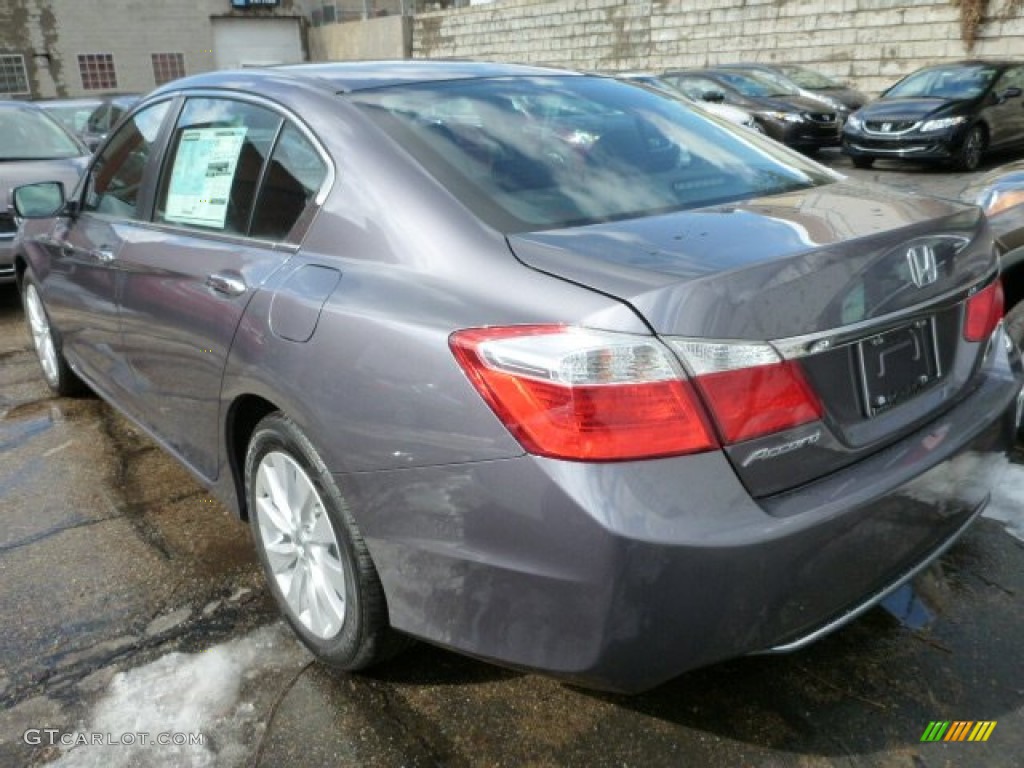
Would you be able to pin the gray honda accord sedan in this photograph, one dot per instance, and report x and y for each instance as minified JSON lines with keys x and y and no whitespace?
{"x":541,"y":367}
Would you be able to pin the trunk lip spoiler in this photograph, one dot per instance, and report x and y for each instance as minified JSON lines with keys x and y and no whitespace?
{"x":796,"y":347}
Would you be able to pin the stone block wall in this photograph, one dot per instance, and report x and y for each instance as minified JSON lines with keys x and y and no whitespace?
{"x":870,"y":43}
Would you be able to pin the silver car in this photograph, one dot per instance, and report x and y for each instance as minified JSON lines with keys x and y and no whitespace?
{"x":541,"y":367}
{"x":33,"y":147}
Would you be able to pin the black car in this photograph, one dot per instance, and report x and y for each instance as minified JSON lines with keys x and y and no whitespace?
{"x":951,"y":113}
{"x":835,"y":95}
{"x":780,"y":110}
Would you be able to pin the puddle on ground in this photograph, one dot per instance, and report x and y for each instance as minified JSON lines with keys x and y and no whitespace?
{"x":909,"y":608}
{"x":16,"y":435}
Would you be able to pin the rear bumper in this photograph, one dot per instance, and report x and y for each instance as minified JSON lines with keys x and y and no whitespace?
{"x":624,"y":575}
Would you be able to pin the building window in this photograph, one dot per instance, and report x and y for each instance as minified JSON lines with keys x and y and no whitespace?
{"x":167,"y":67}
{"x":13,"y":79}
{"x":330,"y":13}
{"x":97,"y":70}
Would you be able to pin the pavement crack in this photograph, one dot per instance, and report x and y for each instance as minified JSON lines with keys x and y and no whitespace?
{"x":28,"y":540}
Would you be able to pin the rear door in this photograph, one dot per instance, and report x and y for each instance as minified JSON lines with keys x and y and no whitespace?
{"x":225,"y":210}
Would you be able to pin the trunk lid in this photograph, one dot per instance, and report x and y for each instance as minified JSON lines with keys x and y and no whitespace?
{"x":840,"y":278}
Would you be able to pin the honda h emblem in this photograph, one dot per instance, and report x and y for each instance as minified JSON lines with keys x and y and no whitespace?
{"x":924,"y":269}
{"x":886,"y":127}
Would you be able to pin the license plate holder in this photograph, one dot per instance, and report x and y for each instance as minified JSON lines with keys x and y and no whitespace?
{"x":897,"y":365}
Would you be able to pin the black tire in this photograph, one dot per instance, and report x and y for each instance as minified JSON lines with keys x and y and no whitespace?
{"x":862,"y":162}
{"x":56,"y":372}
{"x":1014,"y":323}
{"x":968,"y":157}
{"x":364,"y":636}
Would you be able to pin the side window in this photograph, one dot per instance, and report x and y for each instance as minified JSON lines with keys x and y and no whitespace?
{"x":215,"y":159}
{"x":295,"y":175}
{"x":1012,"y":78}
{"x":99,"y":120}
{"x":116,"y":177}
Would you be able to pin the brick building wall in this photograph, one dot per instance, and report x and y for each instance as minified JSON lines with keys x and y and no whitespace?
{"x":50,"y":35}
{"x":868,"y":42}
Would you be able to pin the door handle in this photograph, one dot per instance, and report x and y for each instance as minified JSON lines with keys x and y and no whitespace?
{"x":227,"y":284}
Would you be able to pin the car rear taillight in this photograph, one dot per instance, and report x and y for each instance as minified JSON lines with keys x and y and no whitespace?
{"x":750,"y":390}
{"x":573,"y":393}
{"x":983,"y":313}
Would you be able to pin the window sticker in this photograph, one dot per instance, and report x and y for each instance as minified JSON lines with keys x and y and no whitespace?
{"x":203,"y":172}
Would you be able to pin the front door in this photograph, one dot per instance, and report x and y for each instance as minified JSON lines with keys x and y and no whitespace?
{"x":85,"y":277}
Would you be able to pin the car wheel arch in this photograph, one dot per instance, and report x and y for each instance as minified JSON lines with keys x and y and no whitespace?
{"x":244,"y":413}
{"x":1012,"y":264}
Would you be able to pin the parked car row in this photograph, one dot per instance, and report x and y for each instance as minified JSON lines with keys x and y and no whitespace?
{"x":796,"y":106}
{"x":544,"y":368}
{"x":950,"y":113}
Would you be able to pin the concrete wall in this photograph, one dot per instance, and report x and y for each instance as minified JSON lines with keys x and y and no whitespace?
{"x":389,"y":37}
{"x":52,"y":33}
{"x":868,"y":42}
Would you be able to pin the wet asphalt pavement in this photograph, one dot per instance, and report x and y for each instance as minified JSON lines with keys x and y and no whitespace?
{"x":114,"y":562}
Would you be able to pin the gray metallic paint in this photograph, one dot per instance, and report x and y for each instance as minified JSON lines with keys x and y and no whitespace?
{"x":622,"y":574}
{"x":768,"y":268}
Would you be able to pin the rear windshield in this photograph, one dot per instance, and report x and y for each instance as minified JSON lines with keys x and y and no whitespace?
{"x":944,"y":83}
{"x":807,"y":78}
{"x":757,"y":86}
{"x":539,"y":153}
{"x":29,"y":134}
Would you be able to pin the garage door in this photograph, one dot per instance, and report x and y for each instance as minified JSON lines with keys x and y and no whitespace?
{"x":256,"y":42}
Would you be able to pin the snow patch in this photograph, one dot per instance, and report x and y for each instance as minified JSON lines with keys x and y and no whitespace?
{"x":969,"y":477}
{"x":1007,"y":505}
{"x":203,"y":693}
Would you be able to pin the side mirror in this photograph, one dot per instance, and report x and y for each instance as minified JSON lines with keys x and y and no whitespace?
{"x":39,"y":201}
{"x":716,"y":97}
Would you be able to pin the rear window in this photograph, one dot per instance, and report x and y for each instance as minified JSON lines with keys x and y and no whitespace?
{"x":29,"y":134}
{"x":807,"y":78}
{"x":549,"y":152}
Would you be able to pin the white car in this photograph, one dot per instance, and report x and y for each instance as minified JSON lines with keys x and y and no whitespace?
{"x":724,"y":111}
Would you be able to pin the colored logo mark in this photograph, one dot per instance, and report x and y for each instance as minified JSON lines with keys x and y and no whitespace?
{"x":958,"y":730}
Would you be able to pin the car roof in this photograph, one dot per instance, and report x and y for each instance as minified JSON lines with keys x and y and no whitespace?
{"x":998,"y":63}
{"x":59,"y":102}
{"x":750,"y":65}
{"x":18,"y":104}
{"x":345,"y":77}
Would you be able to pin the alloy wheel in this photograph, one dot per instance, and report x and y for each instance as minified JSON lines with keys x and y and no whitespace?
{"x":42,"y":337}
{"x":301,"y":546}
{"x":972,"y":150}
